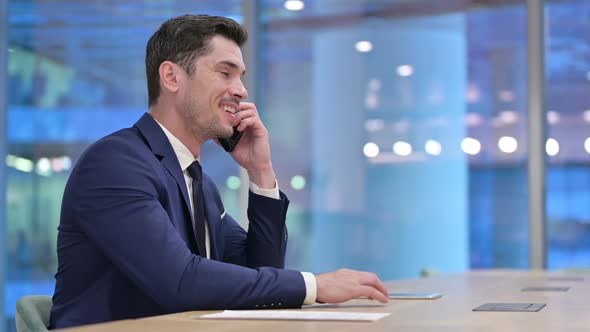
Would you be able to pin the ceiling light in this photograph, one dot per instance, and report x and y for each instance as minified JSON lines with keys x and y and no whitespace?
{"x":364,"y":46}
{"x":371,"y":150}
{"x":433,"y":147}
{"x":507,"y":144}
{"x":552,"y":147}
{"x":405,"y":70}
{"x":470,"y":146}
{"x":402,"y":148}
{"x":294,"y":5}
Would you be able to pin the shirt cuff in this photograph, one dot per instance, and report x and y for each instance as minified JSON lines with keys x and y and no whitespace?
{"x":311,"y":288}
{"x":270,"y":193}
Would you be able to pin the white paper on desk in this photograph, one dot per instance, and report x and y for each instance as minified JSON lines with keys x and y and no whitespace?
{"x":295,"y":315}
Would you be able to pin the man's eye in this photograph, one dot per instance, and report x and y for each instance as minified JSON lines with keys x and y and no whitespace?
{"x":226,"y":74}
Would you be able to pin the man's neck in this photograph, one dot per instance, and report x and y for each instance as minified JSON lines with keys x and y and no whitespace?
{"x":170,"y":119}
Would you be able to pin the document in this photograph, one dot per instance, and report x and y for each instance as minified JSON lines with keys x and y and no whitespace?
{"x":295,"y":315}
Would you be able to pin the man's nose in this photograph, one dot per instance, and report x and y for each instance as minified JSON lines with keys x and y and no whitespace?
{"x":239,"y":91}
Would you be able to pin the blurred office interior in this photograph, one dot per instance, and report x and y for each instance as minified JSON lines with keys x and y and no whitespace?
{"x":399,"y":128}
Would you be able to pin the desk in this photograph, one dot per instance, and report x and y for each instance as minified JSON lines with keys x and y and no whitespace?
{"x":565,"y":311}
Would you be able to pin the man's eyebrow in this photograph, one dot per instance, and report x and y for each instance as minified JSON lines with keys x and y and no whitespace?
{"x":231,"y":64}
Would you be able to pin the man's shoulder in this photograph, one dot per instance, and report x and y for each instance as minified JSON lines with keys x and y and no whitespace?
{"x":119,"y":159}
{"x":123,"y":136}
{"x":115,"y":153}
{"x":124,"y":141}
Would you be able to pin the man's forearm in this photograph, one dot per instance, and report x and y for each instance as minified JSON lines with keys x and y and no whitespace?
{"x":267,"y":231}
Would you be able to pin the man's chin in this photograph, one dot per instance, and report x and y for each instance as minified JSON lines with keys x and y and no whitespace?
{"x":227,"y":132}
{"x":220,"y":132}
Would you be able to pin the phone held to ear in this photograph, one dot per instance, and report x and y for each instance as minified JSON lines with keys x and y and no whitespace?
{"x":229,"y":144}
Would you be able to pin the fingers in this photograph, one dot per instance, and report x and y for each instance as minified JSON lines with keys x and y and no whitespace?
{"x":248,"y":117}
{"x":372,"y":294}
{"x":345,"y":284}
{"x":371,"y":279}
{"x":247,"y":122}
{"x":372,"y":287}
{"x":244,"y":105}
{"x":247,"y":111}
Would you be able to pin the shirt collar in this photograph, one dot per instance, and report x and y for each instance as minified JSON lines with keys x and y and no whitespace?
{"x":183,"y":154}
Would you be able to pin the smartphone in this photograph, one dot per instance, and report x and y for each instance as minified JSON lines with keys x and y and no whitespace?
{"x":229,"y":144}
{"x":415,"y":296}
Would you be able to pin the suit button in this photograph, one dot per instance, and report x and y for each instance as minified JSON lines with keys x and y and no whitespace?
{"x":256,"y":306}
{"x":280,"y":304}
{"x":272,"y":305}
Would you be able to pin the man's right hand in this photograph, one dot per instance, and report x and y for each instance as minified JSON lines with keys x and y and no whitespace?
{"x":345,"y":284}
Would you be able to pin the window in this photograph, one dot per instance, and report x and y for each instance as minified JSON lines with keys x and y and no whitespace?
{"x":408,"y":125}
{"x":75,"y":73}
{"x":568,"y":126}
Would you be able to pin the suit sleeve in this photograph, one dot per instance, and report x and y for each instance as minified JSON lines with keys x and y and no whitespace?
{"x":116,"y":195}
{"x":265,"y":244}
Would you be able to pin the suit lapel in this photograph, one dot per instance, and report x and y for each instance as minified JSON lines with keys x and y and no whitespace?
{"x":161,"y":147}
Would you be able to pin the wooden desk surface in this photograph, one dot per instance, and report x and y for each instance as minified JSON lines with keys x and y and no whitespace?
{"x":565,"y":311}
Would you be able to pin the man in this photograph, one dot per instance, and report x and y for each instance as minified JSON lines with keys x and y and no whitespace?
{"x":143,"y":232}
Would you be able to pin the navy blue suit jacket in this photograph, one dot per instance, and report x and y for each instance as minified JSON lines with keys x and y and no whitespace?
{"x":123,"y":243}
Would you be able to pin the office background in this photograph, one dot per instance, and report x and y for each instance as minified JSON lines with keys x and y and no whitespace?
{"x":399,"y":128}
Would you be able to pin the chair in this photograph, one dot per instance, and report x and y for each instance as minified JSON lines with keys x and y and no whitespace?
{"x":32,"y":313}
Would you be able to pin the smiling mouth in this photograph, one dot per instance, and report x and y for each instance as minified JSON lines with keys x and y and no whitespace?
{"x":229,"y":109}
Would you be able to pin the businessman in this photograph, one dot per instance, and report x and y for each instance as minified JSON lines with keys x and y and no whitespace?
{"x":144,"y":232}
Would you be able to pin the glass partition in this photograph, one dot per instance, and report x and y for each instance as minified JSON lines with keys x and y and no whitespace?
{"x":401,"y":133}
{"x":75,"y":73}
{"x":3,"y":103}
{"x":567,"y":101}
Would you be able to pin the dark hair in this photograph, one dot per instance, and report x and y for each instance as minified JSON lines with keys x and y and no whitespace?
{"x":183,"y":39}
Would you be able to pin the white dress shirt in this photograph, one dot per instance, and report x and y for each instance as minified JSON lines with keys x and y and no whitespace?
{"x":185,"y":158}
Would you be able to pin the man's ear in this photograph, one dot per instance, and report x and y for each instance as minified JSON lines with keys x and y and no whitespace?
{"x":169,"y":76}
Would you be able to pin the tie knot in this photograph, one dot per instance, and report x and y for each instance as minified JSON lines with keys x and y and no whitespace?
{"x":195,"y":171}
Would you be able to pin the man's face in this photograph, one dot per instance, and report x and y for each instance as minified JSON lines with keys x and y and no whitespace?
{"x":212,"y":94}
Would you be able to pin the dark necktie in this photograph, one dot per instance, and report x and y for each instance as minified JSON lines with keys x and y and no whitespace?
{"x":195,"y":172}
